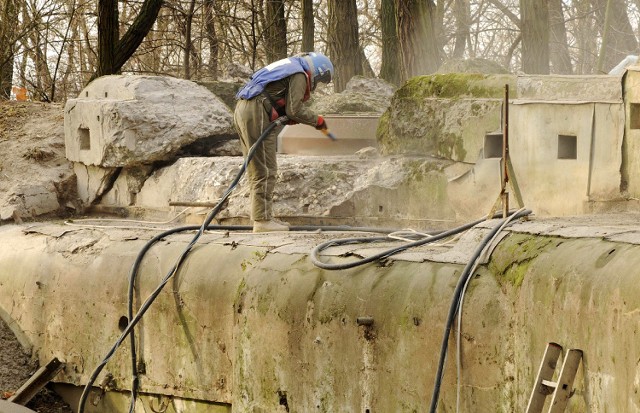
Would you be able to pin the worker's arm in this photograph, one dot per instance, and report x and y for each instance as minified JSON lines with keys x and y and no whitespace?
{"x":296,"y":111}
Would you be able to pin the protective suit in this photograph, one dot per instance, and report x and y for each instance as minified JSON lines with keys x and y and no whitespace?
{"x":275,"y":90}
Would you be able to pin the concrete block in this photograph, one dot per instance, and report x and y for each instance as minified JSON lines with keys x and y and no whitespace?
{"x":120,"y":121}
{"x":92,"y":181}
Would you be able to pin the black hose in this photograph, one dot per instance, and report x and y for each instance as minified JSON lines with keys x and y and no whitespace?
{"x":435,"y":236}
{"x":133,"y":320}
{"x":455,"y":304}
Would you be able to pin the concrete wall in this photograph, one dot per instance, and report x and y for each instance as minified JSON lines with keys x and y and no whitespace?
{"x":566,"y":155}
{"x":250,"y":323}
{"x":631,"y":147}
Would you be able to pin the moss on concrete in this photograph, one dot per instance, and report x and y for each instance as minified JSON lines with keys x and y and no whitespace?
{"x":445,"y":115}
{"x":455,"y":85}
{"x":510,"y":262}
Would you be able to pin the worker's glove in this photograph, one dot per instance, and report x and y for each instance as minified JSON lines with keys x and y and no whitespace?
{"x":322,"y":125}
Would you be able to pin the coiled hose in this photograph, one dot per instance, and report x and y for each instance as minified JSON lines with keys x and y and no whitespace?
{"x":458,"y":294}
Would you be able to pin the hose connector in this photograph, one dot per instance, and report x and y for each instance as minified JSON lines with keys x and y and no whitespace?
{"x":281,"y":120}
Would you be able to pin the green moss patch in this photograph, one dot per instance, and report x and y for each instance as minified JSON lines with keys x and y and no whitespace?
{"x":454,"y":85}
{"x":511,"y":260}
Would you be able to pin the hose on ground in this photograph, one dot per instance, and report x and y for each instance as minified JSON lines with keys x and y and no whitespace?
{"x":455,"y":303}
{"x":432,"y":237}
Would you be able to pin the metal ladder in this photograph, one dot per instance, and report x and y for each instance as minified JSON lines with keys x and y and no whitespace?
{"x":545,"y":385}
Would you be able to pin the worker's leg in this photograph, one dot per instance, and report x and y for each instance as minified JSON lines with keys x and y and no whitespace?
{"x":250,"y":120}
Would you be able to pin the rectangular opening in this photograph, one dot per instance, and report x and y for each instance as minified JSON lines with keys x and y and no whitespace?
{"x":634,"y":115}
{"x":567,"y":147}
{"x":493,"y":145}
{"x":84,"y":138}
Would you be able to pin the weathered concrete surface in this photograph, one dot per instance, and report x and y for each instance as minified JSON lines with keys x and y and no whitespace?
{"x":250,"y":322}
{"x":445,"y":115}
{"x":591,"y":174}
{"x":557,"y":88}
{"x":35,"y":177}
{"x":121,"y":121}
{"x":338,"y":189}
{"x":630,"y":184}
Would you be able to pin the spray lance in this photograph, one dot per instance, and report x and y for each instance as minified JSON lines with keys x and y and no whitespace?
{"x":329,"y":134}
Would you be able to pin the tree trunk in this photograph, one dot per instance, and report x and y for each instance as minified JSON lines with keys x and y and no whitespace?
{"x":212,"y":37}
{"x":417,"y":37}
{"x":308,"y":26}
{"x":344,"y":46}
{"x":585,"y":39}
{"x":107,"y":36}
{"x":620,"y":40}
{"x":535,"y":36}
{"x":9,"y":10}
{"x":558,"y":45}
{"x":462,"y":12}
{"x":390,"y":69}
{"x":276,"y":31}
{"x":188,"y":42}
{"x":113,"y":54}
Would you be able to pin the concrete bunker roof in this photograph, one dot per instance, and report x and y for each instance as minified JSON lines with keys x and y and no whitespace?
{"x":569,"y":89}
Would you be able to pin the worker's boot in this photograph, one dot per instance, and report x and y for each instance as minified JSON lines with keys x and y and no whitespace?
{"x":270,"y":226}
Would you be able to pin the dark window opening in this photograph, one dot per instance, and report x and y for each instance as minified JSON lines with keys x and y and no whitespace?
{"x":634,"y":115}
{"x":493,"y":145}
{"x":85,"y":139}
{"x":567,"y":147}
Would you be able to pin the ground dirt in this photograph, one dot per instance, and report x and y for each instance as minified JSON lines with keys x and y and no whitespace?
{"x":31,"y":154}
{"x":16,"y":366}
{"x":33,"y":166}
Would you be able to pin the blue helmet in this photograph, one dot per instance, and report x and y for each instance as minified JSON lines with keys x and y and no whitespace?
{"x":320,"y":66}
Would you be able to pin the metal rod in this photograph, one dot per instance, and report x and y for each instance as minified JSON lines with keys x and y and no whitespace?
{"x":505,"y":153}
{"x":36,"y":382}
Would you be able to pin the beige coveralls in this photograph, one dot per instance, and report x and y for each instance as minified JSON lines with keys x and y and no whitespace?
{"x":251,"y":119}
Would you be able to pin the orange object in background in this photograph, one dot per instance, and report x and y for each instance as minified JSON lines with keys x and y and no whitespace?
{"x":20,"y":93}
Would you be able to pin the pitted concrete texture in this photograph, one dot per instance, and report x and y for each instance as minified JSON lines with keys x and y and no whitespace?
{"x":595,"y":88}
{"x":360,"y":191}
{"x":249,"y":322}
{"x":120,"y":121}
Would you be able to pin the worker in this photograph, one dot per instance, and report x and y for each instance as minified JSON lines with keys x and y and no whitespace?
{"x":276,"y":90}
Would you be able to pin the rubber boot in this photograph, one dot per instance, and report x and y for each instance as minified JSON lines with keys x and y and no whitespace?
{"x":269,"y":226}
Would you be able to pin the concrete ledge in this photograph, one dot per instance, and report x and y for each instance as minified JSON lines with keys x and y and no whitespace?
{"x":250,"y":322}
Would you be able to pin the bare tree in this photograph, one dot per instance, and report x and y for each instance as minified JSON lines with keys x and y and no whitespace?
{"x":276,"y":30}
{"x":113,"y":53}
{"x":417,"y":37}
{"x":344,"y":47}
{"x":558,"y":45}
{"x":462,"y":12}
{"x":308,"y":26}
{"x":389,"y":70}
{"x":618,"y":38}
{"x":535,"y":36}
{"x":212,"y":36}
{"x":9,"y":10}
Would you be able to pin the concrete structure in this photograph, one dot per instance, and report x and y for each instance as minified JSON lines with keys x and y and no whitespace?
{"x":120,"y":121}
{"x":566,"y":145}
{"x":250,"y":324}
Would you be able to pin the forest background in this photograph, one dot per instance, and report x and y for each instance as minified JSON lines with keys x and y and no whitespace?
{"x":53,"y":48}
